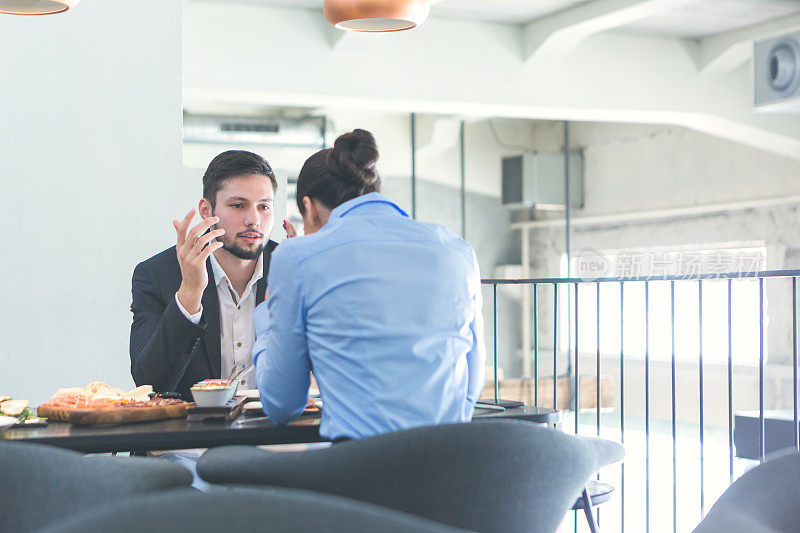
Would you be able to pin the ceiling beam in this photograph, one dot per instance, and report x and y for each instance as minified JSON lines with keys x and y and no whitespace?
{"x":726,"y":51}
{"x":562,"y":31}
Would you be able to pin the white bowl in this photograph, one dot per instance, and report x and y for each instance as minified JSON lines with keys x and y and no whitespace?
{"x":214,"y":398}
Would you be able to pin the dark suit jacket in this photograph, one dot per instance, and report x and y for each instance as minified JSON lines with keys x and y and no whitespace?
{"x":167,"y":350}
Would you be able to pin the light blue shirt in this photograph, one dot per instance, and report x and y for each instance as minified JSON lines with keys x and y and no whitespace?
{"x":385,"y":310}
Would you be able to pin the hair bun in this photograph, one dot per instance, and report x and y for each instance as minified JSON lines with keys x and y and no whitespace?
{"x":353,"y":158}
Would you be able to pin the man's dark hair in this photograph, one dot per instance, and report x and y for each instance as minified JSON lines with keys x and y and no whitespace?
{"x":231,"y":164}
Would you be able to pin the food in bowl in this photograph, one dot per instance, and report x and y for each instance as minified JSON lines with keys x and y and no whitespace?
{"x":213,"y":392}
{"x":211,"y":384}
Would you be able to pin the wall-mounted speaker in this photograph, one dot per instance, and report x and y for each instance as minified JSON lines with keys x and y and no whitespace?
{"x":777,"y":74}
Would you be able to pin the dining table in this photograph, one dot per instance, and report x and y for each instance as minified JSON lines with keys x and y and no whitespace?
{"x":180,"y":433}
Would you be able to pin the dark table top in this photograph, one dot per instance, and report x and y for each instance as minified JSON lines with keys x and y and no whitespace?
{"x":772,"y":414}
{"x":779,"y":432}
{"x":182,"y":434}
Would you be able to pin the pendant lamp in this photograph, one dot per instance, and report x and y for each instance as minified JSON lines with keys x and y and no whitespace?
{"x":376,"y":15}
{"x":36,"y":7}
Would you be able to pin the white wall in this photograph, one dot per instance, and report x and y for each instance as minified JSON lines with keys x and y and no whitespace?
{"x":90,"y":163}
{"x":643,"y":167}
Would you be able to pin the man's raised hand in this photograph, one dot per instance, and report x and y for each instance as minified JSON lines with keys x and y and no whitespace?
{"x":193,"y":248}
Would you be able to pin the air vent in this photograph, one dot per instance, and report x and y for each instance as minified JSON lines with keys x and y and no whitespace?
{"x":251,"y":130}
{"x":537,"y":180}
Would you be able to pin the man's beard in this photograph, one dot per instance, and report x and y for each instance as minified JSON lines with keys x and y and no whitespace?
{"x":237,"y":251}
{"x":242,"y":253}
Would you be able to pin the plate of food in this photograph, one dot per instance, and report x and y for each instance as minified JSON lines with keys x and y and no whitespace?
{"x":99,"y":403}
{"x":7,"y":422}
{"x":250,"y":395}
{"x":18,"y":409}
{"x":314,"y":406}
{"x":253,"y":408}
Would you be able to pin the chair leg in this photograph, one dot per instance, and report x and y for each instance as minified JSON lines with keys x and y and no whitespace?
{"x":589,"y":511}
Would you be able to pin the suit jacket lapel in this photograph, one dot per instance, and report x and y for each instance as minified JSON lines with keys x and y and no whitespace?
{"x":211,"y":312}
{"x":261,"y":286}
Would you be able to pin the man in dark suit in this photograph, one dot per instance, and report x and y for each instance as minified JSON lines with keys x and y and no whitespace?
{"x":193,"y":303}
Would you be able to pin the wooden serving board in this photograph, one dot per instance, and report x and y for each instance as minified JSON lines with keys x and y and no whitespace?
{"x":111,"y":415}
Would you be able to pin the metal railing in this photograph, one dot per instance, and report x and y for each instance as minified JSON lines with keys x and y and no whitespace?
{"x":576,"y":289}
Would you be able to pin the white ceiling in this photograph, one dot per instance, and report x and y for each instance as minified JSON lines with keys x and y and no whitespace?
{"x":518,"y":11}
{"x":574,"y":64}
{"x":701,"y":18}
{"x":693,"y":19}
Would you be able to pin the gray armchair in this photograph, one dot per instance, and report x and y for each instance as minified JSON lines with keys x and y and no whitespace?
{"x":42,"y":484}
{"x":499,"y":475}
{"x":245,"y":509}
{"x":765,"y":499}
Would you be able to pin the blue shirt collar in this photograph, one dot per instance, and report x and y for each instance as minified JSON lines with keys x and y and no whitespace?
{"x":369,"y":198}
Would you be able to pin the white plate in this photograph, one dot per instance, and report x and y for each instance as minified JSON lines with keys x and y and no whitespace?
{"x":312,"y":391}
{"x":7,"y":421}
{"x":248,"y":393}
{"x":257,"y":407}
{"x":253,"y":406}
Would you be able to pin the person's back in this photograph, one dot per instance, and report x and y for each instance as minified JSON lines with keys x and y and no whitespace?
{"x":391,"y":319}
{"x":389,"y":305}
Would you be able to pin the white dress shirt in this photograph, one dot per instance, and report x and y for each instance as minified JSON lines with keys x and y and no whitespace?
{"x":236,"y":330}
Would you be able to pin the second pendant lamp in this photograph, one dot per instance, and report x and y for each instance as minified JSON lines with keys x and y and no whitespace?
{"x":36,"y":7}
{"x":376,"y":15}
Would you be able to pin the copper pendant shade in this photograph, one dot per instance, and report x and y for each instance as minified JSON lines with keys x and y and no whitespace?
{"x":376,"y":15}
{"x":36,"y":7}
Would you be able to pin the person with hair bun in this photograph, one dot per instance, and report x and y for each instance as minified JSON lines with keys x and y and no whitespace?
{"x":385,"y":310}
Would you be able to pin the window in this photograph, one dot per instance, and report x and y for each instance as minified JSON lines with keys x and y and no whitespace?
{"x":745,"y":335}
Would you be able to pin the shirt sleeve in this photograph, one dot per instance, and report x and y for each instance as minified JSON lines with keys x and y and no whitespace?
{"x":195,"y":318}
{"x":476,"y":357}
{"x":280,"y":352}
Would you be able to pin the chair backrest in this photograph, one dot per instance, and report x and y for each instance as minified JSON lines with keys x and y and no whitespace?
{"x":246,"y":509}
{"x":485,"y":476}
{"x":42,"y":484}
{"x":765,"y":499}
